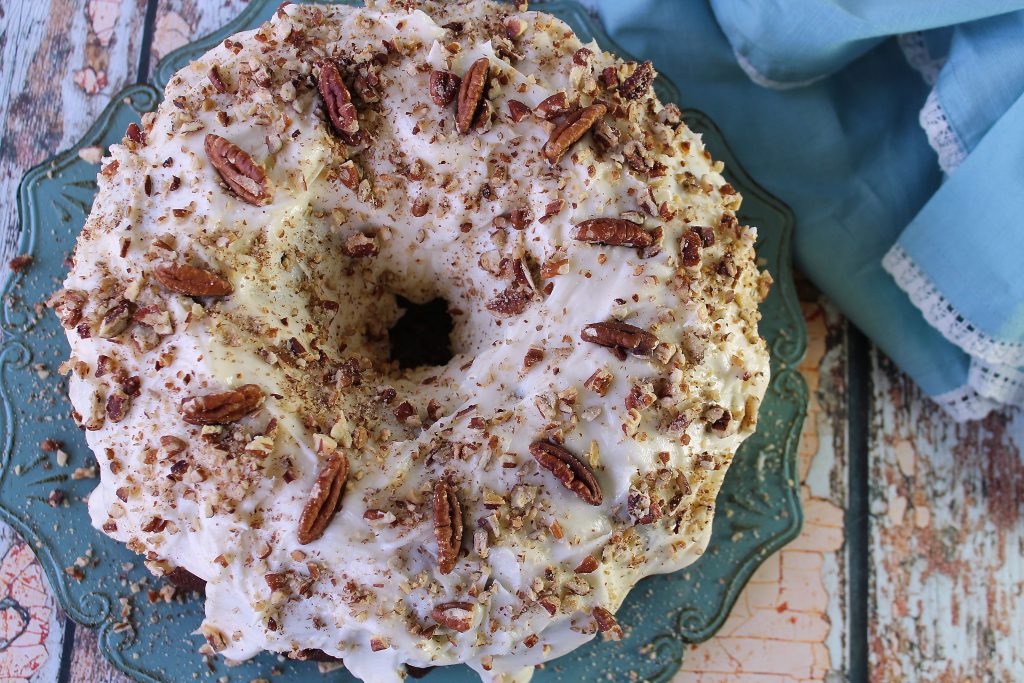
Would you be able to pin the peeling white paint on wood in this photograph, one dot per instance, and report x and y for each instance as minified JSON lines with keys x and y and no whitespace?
{"x":947,"y":540}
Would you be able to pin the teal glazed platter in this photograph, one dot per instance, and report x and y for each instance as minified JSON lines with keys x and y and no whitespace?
{"x":103,"y":585}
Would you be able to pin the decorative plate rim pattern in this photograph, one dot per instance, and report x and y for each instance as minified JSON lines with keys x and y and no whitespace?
{"x":93,"y":605}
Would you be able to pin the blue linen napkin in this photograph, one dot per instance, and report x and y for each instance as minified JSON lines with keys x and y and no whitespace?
{"x":895,"y":131}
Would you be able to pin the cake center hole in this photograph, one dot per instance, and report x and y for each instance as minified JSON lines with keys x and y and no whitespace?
{"x":422,"y":336}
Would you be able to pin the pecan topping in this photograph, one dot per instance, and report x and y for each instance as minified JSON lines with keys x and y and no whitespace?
{"x":191,"y":281}
{"x":621,"y":337}
{"x":517,"y":110}
{"x":117,"y":406}
{"x":324,"y":499}
{"x":690,"y":246}
{"x":447,"y":525}
{"x":338,"y":102}
{"x":243,"y":175}
{"x":606,"y":623}
{"x":359,"y":245}
{"x":215,"y":78}
{"x":223,"y":407}
{"x":456,"y":615}
{"x":571,"y":130}
{"x":587,"y":565}
{"x":638,"y":83}
{"x":134,"y":133}
{"x":617,"y":232}
{"x":186,"y":580}
{"x":471,"y":94}
{"x":552,"y":107}
{"x":20,"y":264}
{"x":568,"y":469}
{"x":116,"y":319}
{"x":444,"y":85}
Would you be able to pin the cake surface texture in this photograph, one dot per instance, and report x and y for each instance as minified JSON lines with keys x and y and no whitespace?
{"x":229,"y":306}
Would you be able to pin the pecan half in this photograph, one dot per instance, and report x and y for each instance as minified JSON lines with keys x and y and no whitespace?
{"x":638,"y":83}
{"x":243,"y":175}
{"x":338,"y":101}
{"x":571,"y":130}
{"x":444,"y":85}
{"x":568,"y":469}
{"x":456,"y":615}
{"x":614,"y":232}
{"x":471,"y":94}
{"x":620,"y":336}
{"x":606,"y":623}
{"x":191,"y":281}
{"x":324,"y":499}
{"x":447,"y":525}
{"x":222,"y":407}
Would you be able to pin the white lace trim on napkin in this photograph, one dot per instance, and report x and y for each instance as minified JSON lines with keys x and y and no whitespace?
{"x":1000,"y":383}
{"x":941,"y":314}
{"x":965,"y":404}
{"x":941,"y":136}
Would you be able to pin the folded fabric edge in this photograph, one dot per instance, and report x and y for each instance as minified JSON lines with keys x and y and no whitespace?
{"x":760,"y":79}
{"x":941,"y":314}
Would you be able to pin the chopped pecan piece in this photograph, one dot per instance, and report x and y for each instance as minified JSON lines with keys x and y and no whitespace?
{"x":471,"y":94}
{"x":215,"y":78}
{"x":223,"y":407}
{"x":510,"y":301}
{"x":517,"y":110}
{"x":638,"y":83}
{"x":444,"y":85}
{"x":691,"y":246}
{"x":456,"y":615}
{"x":587,"y":565}
{"x":447,"y":525}
{"x":117,"y":406}
{"x":533,"y":356}
{"x":616,"y":232}
{"x":116,"y":319}
{"x":134,"y":133}
{"x":238,"y":170}
{"x":186,"y":580}
{"x":568,"y":469}
{"x":359,"y":245}
{"x":191,"y":281}
{"x":20,"y":264}
{"x":571,"y":130}
{"x":599,"y":381}
{"x":338,"y":101}
{"x":324,"y":499}
{"x":552,"y":107}
{"x":606,"y":623}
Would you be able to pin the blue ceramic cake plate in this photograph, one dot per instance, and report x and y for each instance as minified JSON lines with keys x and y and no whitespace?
{"x":758,"y":508}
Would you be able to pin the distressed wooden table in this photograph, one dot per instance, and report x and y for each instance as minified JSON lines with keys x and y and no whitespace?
{"x":909,"y":565}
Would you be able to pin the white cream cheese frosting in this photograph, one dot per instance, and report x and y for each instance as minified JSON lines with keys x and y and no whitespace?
{"x":341,"y":224}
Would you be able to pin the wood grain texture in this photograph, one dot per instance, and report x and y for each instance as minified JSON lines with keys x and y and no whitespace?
{"x":60,"y":62}
{"x":947,"y":536}
{"x":789,"y":623}
{"x":87,"y":665}
{"x":181,"y":21}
